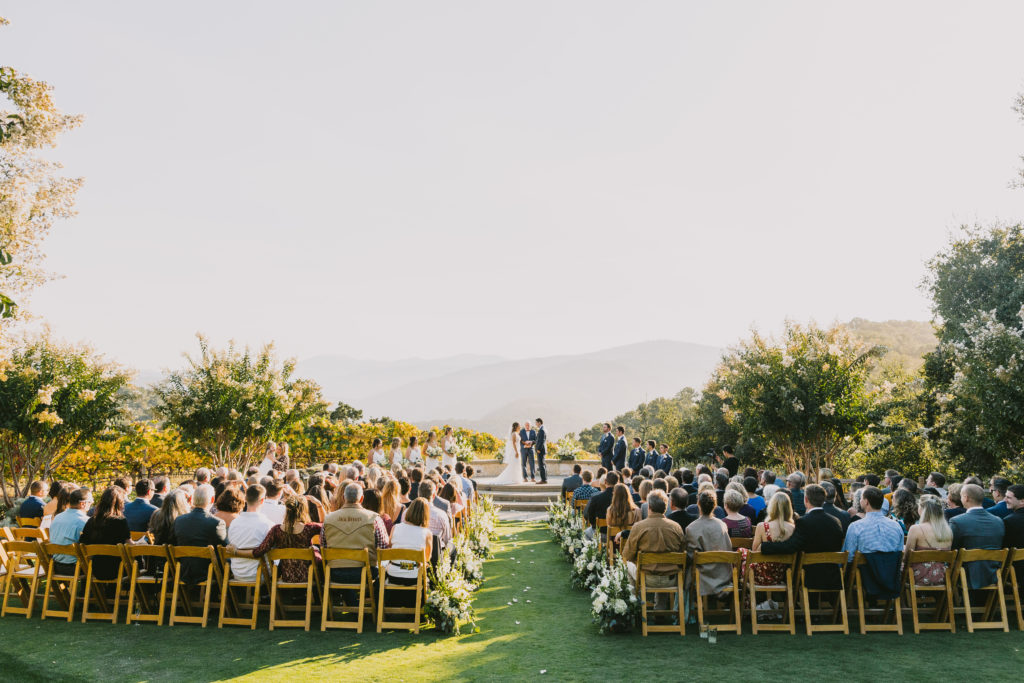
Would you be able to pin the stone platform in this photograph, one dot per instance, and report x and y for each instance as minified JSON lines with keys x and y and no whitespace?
{"x":527,"y":500}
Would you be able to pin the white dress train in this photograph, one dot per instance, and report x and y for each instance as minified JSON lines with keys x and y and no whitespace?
{"x":513,"y":472}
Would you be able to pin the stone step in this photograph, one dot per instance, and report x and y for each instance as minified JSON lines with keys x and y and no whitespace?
{"x":523,"y":496}
{"x":518,"y":506}
{"x":546,"y":488}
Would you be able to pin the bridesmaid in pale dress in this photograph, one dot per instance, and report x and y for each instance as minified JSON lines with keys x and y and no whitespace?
{"x":396,"y":452}
{"x":413,"y":454}
{"x":432,"y":460}
{"x":448,"y":446}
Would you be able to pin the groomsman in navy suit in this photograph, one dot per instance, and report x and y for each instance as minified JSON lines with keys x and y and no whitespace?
{"x":527,"y":438}
{"x":542,"y":449}
{"x":606,"y":445}
{"x":665,"y":459}
{"x":619,"y":453}
{"x":636,"y":456}
{"x":651,"y":456}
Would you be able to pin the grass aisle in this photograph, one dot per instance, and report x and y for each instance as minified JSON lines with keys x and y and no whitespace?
{"x":554,"y":634}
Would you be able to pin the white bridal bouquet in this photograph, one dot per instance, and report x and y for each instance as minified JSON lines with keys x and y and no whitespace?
{"x":434,"y":452}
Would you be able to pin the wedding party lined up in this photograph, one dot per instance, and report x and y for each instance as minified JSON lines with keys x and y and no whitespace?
{"x":335,"y":548}
{"x":712,"y":549}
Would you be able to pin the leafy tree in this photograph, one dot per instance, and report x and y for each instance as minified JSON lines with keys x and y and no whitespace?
{"x":32,"y":193}
{"x":138,"y":449}
{"x":977,"y":289}
{"x":346,"y":414}
{"x":53,"y":399}
{"x":659,"y":419}
{"x":804,"y":399}
{"x":227,"y":404}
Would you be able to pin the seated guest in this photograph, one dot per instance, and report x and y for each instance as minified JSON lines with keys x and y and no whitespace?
{"x":140,"y":510}
{"x":199,"y":528}
{"x":903,"y":508}
{"x":931,"y":533}
{"x":694,"y":509}
{"x":686,"y":481}
{"x":318,"y":499}
{"x":50,"y":509}
{"x":585,"y":491}
{"x":795,"y":483}
{"x":977,"y":528}
{"x":440,"y":523}
{"x":597,"y":507}
{"x":439,"y":502}
{"x":755,"y":501}
{"x":746,"y":509}
{"x":937,"y":481}
{"x":706,"y":533}
{"x":161,"y":524}
{"x":954,"y":506}
{"x":814,"y":532}
{"x":678,"y":514}
{"x":33,"y":505}
{"x":273,"y":507}
{"x":295,"y":532}
{"x":778,"y":526}
{"x":831,"y":508}
{"x":247,"y":531}
{"x":412,"y":533}
{"x":229,"y":505}
{"x":354,"y":527}
{"x":571,"y":483}
{"x":876,"y":533}
{"x":656,"y":534}
{"x":623,"y":512}
{"x":1014,"y":525}
{"x":161,"y":485}
{"x":467,"y":485}
{"x":107,"y":527}
{"x":390,"y":504}
{"x":66,"y":528}
{"x":449,"y":494}
{"x":646,"y":486}
{"x":998,"y":487}
{"x":739,"y":525}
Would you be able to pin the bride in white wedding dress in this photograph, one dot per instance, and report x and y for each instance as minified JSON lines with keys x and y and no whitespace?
{"x":513,"y":472}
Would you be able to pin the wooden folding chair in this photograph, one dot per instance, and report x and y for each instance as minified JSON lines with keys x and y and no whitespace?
{"x":227,"y":592}
{"x":304,"y":554}
{"x":838,"y":610}
{"x":738,"y":543}
{"x":417,"y":557}
{"x":733,"y":559}
{"x":63,"y":586}
{"x":568,"y":496}
{"x":612,"y":532}
{"x":995,"y":590}
{"x":580,"y":505}
{"x":31,"y":535}
{"x":23,"y":573}
{"x":893,"y":607}
{"x":206,"y":586}
{"x":133,"y":555}
{"x":945,"y":617}
{"x":642,"y":590}
{"x":771,"y":589}
{"x":365,"y":588}
{"x":94,"y":586}
{"x":601,"y":539}
{"x":139,"y":535}
{"x":1015,"y":556}
{"x":32,"y":522}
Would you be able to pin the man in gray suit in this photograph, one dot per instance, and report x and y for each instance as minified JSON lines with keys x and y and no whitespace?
{"x":199,"y":528}
{"x":977,"y":528}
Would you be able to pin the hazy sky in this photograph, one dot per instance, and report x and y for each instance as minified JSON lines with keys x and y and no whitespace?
{"x":522,"y":178}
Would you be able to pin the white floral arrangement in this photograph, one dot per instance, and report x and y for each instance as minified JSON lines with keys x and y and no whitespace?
{"x":471,"y":564}
{"x":615,"y":607}
{"x":589,"y":566}
{"x":462,"y":450}
{"x":449,"y":598}
{"x":481,"y":526}
{"x":568,"y":448}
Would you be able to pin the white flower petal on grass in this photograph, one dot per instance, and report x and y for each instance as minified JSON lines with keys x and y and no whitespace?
{"x":517,"y":622}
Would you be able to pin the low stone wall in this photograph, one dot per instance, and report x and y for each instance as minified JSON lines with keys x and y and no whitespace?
{"x":556,"y":468}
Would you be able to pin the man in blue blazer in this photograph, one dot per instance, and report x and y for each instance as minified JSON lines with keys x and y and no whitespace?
{"x":977,"y":528}
{"x":664,"y":459}
{"x":606,"y":446}
{"x":636,"y":456}
{"x":651,"y":456}
{"x":619,"y":452}
{"x":140,"y":510}
{"x":542,"y":449}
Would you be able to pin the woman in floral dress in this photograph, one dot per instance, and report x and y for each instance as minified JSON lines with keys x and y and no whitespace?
{"x":296,"y":531}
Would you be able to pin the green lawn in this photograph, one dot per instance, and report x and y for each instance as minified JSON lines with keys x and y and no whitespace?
{"x":554,"y":634}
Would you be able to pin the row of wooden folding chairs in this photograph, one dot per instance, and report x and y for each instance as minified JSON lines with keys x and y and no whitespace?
{"x":952,"y":597}
{"x":29,"y":566}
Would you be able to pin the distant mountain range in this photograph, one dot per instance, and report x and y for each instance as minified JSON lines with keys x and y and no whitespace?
{"x":487,"y":393}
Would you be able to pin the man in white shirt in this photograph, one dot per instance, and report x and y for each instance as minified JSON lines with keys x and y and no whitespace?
{"x":273,"y":509}
{"x":248,"y":531}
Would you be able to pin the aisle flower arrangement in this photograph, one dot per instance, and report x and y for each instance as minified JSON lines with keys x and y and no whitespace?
{"x":588,"y":567}
{"x":452,"y":583}
{"x":615,"y":606}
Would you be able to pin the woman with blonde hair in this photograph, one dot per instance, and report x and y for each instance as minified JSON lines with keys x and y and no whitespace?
{"x":931,"y":533}
{"x":779,"y":526}
{"x":396,"y":452}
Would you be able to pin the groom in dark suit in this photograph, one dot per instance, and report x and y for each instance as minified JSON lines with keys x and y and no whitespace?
{"x":527,"y":438}
{"x":542,"y":449}
{"x":606,"y":445}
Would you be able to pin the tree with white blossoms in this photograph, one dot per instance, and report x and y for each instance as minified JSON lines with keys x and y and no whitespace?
{"x":32,"y":193}
{"x":53,"y":399}
{"x":805,"y":398}
{"x":226,"y":404}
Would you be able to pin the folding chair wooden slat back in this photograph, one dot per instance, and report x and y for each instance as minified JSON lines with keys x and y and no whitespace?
{"x":364,"y":587}
{"x":416,"y":557}
{"x":94,"y":586}
{"x":786,"y":587}
{"x":300,"y":554}
{"x":734,"y":559}
{"x":997,"y":596}
{"x":942,"y":594}
{"x":63,"y":586}
{"x":893,"y":606}
{"x":228,"y":598}
{"x":32,"y":522}
{"x":155,"y":575}
{"x":180,"y":590}
{"x":839,"y":560}
{"x":1016,"y":589}
{"x":738,"y":543}
{"x":612,"y":532}
{"x":23,"y":573}
{"x":647,"y":615}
